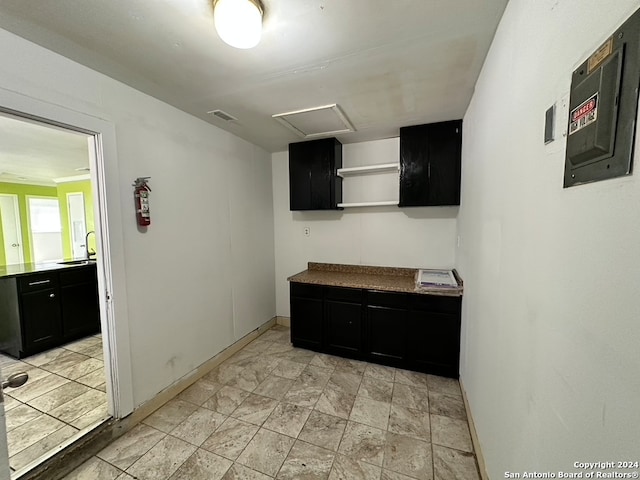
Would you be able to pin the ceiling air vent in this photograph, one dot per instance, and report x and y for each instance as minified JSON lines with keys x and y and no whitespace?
{"x":316,"y":122}
{"x":223,"y":115}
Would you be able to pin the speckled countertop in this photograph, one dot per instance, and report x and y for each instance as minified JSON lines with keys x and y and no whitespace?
{"x":371,"y":278}
{"x":27,"y":268}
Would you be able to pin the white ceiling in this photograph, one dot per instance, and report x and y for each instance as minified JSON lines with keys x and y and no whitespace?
{"x":36,"y":154}
{"x":386,"y":63}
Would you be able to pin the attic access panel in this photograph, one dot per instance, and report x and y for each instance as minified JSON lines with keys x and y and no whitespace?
{"x":603,"y":109}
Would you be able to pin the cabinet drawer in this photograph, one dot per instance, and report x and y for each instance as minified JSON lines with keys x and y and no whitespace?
{"x":353,"y":295}
{"x":77,"y":275}
{"x":305,"y":290}
{"x":435,"y":303}
{"x":386,"y":299}
{"x":38,"y":281}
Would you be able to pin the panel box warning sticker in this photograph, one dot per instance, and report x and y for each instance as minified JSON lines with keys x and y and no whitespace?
{"x":584,"y":114}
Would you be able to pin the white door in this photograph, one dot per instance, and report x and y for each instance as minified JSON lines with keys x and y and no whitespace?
{"x":11,"y":231}
{"x":77,"y":224}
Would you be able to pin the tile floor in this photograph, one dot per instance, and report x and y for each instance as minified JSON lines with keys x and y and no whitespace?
{"x":274,"y":411}
{"x":64,"y":394}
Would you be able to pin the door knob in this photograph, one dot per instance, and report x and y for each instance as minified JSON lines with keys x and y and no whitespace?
{"x":52,"y":295}
{"x":16,"y":380}
{"x":15,"y":245}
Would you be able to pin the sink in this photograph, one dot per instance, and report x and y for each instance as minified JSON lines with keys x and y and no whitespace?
{"x":76,"y":262}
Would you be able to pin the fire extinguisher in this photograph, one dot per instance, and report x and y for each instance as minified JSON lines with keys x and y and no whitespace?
{"x":141,"y":195}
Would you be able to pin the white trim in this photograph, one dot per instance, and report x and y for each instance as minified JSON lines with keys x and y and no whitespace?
{"x":18,"y":219}
{"x":369,"y":169}
{"x":110,"y":241}
{"x":368,"y":204}
{"x":280,"y":117}
{"x":482,"y":467}
{"x":74,"y":178}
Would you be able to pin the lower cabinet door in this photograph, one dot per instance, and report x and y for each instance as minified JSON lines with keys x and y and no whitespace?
{"x":41,"y":320}
{"x":434,"y":342}
{"x":80,"y":310}
{"x":344,"y":327}
{"x":386,"y":335}
{"x":306,"y":322}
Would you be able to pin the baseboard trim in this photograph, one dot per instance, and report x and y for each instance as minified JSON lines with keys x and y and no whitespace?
{"x":71,"y":455}
{"x":284,"y":321}
{"x":482,"y":468}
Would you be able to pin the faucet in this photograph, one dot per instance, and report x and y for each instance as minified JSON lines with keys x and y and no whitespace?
{"x":86,"y":244}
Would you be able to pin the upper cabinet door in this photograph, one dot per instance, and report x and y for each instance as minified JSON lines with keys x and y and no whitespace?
{"x":430,"y":164}
{"x":313,"y":182}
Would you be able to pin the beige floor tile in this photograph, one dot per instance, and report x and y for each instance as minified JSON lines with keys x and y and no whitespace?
{"x":170,"y":415}
{"x":288,"y":369}
{"x":446,"y":386}
{"x":64,"y":362}
{"x":314,"y":376}
{"x":202,"y":465}
{"x":363,"y":443}
{"x":94,"y":469}
{"x":451,"y":432}
{"x":416,"y":398}
{"x":376,"y":389}
{"x":79,"y":406}
{"x":198,"y":426}
{"x":287,"y":419}
{"x":389,"y":475}
{"x":35,"y":388}
{"x":345,"y":468}
{"x":200,"y":392}
{"x":344,"y":382}
{"x":130,"y":447}
{"x":162,"y":461}
{"x":336,"y":403}
{"x":226,"y":400}
{"x":266,"y":452}
{"x":31,"y":432}
{"x":412,"y":423}
{"x":94,"y":351}
{"x":348,"y":365}
{"x":45,"y":357}
{"x":10,"y":403}
{"x":370,"y":412}
{"x":81,"y":369}
{"x":93,"y":379}
{"x":249,"y":378}
{"x":303,"y":395}
{"x":82,"y":344}
{"x":381,"y":372}
{"x":415,"y":379}
{"x":231,"y":438}
{"x":255,"y":409}
{"x":325,"y":361}
{"x":58,"y":396}
{"x":274,"y":387}
{"x":91,"y":417}
{"x":240,"y":472}
{"x":20,"y":415}
{"x":323,"y":430}
{"x":449,"y":464}
{"x":35,"y":451}
{"x":306,"y":462}
{"x":447,"y":406}
{"x":408,"y":456}
{"x":224,"y":373}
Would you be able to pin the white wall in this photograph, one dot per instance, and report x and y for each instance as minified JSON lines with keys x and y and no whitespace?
{"x":387,"y":236}
{"x":202,"y":276}
{"x":551,"y":311}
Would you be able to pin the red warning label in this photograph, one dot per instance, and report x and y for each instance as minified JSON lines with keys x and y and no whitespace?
{"x":584,"y":114}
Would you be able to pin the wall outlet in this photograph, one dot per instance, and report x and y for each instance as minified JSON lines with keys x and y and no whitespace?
{"x":307,"y":232}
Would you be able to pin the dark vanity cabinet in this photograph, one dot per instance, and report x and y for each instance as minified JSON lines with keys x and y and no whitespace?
{"x":43,"y":310}
{"x":313,"y":180}
{"x":406,"y":330}
{"x":430,"y":164}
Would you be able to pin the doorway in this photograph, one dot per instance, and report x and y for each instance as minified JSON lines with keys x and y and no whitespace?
{"x":94,"y":363}
{"x":11,"y":231}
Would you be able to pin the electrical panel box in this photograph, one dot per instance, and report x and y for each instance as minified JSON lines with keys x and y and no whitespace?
{"x":603,"y":109}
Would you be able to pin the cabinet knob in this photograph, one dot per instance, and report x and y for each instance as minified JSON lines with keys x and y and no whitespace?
{"x":52,"y":295}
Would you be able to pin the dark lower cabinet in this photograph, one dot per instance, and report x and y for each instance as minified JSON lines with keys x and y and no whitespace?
{"x":307,"y":308}
{"x":414,"y":331}
{"x":43,"y":310}
{"x":41,"y":319}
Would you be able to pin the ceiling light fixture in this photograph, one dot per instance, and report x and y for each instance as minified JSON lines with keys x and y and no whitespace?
{"x":238,"y":22}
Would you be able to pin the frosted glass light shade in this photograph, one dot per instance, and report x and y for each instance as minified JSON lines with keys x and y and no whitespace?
{"x":238,"y":22}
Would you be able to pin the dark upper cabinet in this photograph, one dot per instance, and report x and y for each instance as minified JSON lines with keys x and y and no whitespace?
{"x":430,"y":164}
{"x":313,"y":182}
